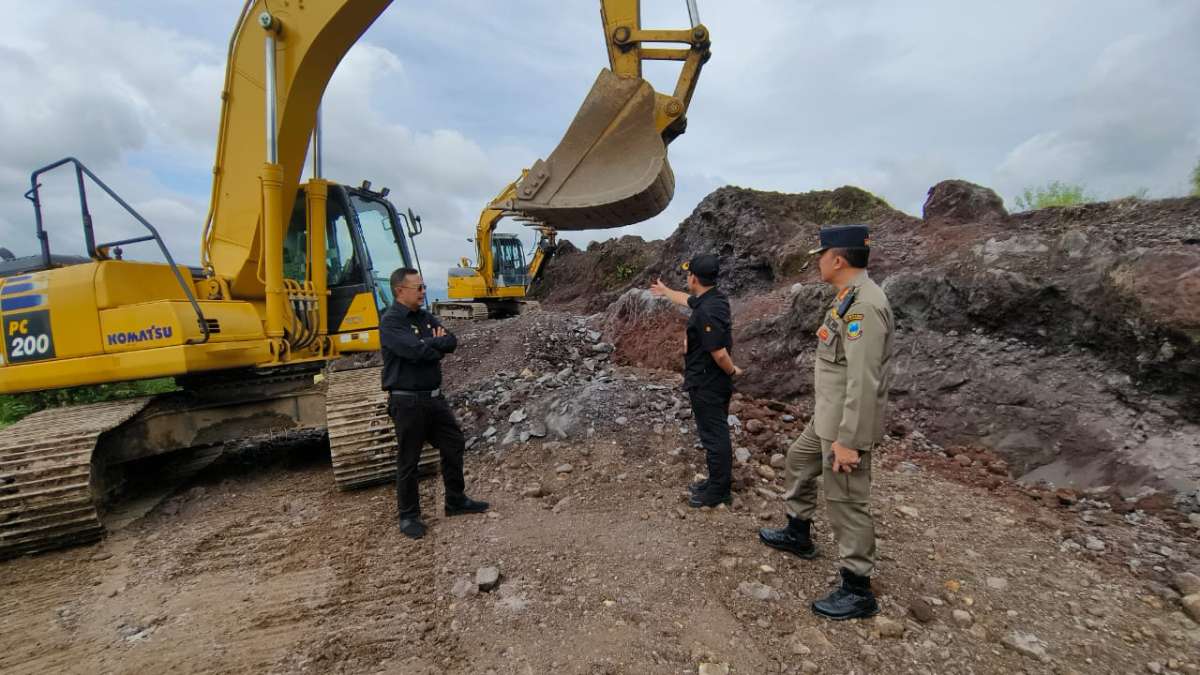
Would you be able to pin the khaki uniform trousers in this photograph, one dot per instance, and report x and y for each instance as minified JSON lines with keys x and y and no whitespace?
{"x":847,"y":495}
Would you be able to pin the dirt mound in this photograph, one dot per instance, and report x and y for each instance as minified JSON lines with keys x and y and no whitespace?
{"x":1066,"y":339}
{"x":589,"y":281}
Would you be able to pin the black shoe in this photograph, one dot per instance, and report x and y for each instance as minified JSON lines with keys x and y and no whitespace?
{"x":412,"y":528}
{"x":467,"y":505}
{"x":852,"y":600}
{"x":795,"y":538}
{"x":710,"y":496}
{"x":698,"y":487}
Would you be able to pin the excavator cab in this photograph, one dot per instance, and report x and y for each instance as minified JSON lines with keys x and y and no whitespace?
{"x":365,"y":241}
{"x":509,"y":260}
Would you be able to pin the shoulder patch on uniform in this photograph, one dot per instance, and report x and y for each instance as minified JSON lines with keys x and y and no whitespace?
{"x":854,"y":317}
{"x":854,"y":328}
{"x":823,"y":334}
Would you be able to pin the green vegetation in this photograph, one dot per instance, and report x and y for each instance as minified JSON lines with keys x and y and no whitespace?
{"x":14,"y":407}
{"x":1196,"y":180}
{"x":1054,"y":193}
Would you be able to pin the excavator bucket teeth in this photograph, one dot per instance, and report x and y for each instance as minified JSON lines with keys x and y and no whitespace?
{"x":610,"y":168}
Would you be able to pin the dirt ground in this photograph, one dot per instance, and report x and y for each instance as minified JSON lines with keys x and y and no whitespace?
{"x":259,"y":565}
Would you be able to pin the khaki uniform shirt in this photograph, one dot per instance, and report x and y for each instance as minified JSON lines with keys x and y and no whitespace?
{"x":853,"y":366}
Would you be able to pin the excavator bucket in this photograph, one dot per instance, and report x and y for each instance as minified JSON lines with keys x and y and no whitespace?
{"x":610,"y":168}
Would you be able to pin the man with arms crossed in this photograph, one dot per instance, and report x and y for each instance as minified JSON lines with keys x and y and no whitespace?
{"x":413,"y":343}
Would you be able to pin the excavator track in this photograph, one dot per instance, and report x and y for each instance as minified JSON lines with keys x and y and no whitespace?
{"x":48,"y":486}
{"x":362,"y":440}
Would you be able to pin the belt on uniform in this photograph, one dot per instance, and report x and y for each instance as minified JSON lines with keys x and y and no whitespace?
{"x":416,"y":393}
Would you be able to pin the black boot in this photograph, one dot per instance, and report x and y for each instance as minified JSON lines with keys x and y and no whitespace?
{"x":467,"y":505}
{"x":698,"y":486}
{"x":711,"y":495}
{"x":794,"y":538}
{"x":412,"y":528}
{"x":852,"y":600}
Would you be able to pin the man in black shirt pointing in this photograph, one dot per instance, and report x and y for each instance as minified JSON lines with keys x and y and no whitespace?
{"x":708,"y":372}
{"x":413,"y":343}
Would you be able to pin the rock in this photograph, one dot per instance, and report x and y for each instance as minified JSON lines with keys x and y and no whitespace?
{"x":714,"y":669}
{"x":962,"y":617}
{"x":489,"y":432}
{"x":511,"y":437}
{"x":908,"y":512}
{"x":796,"y":646}
{"x":958,"y":202}
{"x":755,"y":427}
{"x":814,"y":638}
{"x":1191,"y":605}
{"x":788,"y":418}
{"x":602,"y":348}
{"x":765,"y":471}
{"x":964,"y":460}
{"x":533,"y":491}
{"x":778,"y":461}
{"x":526,"y":374}
{"x":1154,"y":667}
{"x":997,"y":583}
{"x":1027,"y":644}
{"x":758,"y":591}
{"x":564,"y":468}
{"x":920,"y":610}
{"x":1187,"y":583}
{"x":593,"y":336}
{"x":807,"y":666}
{"x":537,"y":429}
{"x":486,"y":578}
{"x":1093,"y":544}
{"x":517,"y":415}
{"x":767,"y":493}
{"x":622,"y":421}
{"x":463,"y":587}
{"x":742,"y":455}
{"x":889,"y":628}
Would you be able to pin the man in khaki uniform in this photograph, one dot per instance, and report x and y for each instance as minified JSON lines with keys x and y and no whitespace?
{"x":853,"y":372}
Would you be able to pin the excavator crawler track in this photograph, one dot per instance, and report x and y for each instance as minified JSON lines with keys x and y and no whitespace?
{"x":48,"y":486}
{"x":362,"y":440}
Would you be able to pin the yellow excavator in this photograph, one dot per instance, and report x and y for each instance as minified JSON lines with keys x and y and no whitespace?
{"x":293,"y":275}
{"x":609,"y":170}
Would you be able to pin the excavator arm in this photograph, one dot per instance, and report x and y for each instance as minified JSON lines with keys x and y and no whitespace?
{"x":610,"y":169}
{"x":267,"y":120}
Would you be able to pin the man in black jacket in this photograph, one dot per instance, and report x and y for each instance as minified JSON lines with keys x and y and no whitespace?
{"x":413,"y":343}
{"x":708,"y":372}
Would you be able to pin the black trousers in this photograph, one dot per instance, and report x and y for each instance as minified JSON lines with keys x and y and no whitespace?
{"x":711,"y":410}
{"x":418,"y":420}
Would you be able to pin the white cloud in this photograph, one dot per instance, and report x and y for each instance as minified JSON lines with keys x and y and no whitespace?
{"x":445,"y":102}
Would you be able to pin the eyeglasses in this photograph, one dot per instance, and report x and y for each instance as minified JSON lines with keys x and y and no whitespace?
{"x":418,"y":287}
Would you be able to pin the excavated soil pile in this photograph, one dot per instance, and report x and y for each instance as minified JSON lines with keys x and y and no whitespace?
{"x":1066,"y":339}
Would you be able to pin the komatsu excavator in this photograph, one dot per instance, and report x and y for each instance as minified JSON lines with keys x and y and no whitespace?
{"x":609,"y":170}
{"x":293,"y":275}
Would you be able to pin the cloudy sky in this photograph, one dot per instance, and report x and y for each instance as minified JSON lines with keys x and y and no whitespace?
{"x":445,"y":102}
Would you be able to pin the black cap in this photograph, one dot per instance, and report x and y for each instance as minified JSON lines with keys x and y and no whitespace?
{"x":705,"y":266}
{"x":844,"y":236}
